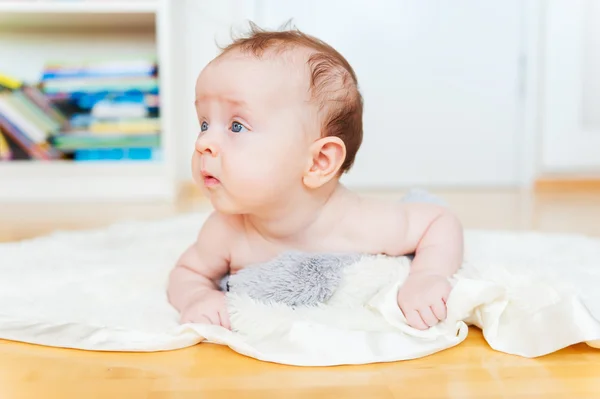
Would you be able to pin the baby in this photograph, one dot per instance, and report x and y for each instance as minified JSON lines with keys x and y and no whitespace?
{"x":280,"y":118}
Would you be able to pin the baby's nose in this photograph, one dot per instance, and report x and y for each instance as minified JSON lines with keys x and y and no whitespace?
{"x":206,"y":146}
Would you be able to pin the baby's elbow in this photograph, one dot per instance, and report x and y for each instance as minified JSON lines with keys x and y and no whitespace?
{"x":452,"y":217}
{"x":174,"y":281}
{"x":455,"y":231}
{"x":454,"y":223}
{"x":445,"y":224}
{"x":170,"y":285}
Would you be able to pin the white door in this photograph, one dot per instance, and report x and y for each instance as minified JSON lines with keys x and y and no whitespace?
{"x":440,"y":81}
{"x":571,"y":87}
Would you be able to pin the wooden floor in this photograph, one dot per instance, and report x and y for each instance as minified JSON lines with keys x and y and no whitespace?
{"x":471,"y":370}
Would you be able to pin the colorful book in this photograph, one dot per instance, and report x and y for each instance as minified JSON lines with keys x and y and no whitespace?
{"x":5,"y":152}
{"x":100,"y":68}
{"x":45,"y":105}
{"x":36,"y":150}
{"x":74,"y":141}
{"x":24,"y":114}
{"x":33,"y":113}
{"x":125,"y":126}
{"x":88,"y":110}
{"x":82,"y":86}
{"x":117,"y":154}
{"x":9,"y":82}
{"x":17,"y":152}
{"x":27,"y":125}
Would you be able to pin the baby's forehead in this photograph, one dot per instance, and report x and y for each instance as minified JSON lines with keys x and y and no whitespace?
{"x":280,"y":71}
{"x":288,"y":61}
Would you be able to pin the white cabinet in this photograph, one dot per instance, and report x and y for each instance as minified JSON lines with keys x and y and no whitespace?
{"x":570,"y":121}
{"x":35,"y":32}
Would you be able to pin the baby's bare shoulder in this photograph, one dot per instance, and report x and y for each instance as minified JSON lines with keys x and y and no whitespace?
{"x":381,"y":215}
{"x":391,"y":224}
{"x":219,"y":230}
{"x":370,"y":225}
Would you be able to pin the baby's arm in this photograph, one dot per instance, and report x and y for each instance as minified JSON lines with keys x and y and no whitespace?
{"x":193,"y":283}
{"x":435,"y":236}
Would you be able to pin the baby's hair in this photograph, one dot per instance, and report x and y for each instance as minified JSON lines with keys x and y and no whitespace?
{"x":333,"y":82}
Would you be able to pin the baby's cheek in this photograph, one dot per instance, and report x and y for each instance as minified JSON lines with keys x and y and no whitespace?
{"x":258,"y":177}
{"x":266,"y":166}
{"x":264,"y":180}
{"x":257,"y":166}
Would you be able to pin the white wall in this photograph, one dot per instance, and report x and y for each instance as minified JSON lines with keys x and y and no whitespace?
{"x":591,"y":65}
{"x":570,"y":95}
{"x":440,"y":81}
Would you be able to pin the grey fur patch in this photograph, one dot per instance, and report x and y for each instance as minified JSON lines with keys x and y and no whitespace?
{"x":293,"y":278}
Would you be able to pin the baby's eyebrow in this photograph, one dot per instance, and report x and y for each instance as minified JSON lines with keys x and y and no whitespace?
{"x":231,"y":101}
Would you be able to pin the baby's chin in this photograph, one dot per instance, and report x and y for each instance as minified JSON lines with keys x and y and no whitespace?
{"x":223,"y":205}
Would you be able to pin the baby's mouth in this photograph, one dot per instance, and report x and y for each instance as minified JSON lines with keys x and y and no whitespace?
{"x":210,"y":181}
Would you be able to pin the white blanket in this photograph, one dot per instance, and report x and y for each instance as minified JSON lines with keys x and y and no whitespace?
{"x":532,"y":294}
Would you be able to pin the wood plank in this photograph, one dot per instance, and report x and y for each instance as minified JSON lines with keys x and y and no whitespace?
{"x":471,"y":370}
{"x":568,"y":185}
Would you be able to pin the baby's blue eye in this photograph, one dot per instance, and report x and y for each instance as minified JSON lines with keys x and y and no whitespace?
{"x":237,"y":127}
{"x":204,"y":127}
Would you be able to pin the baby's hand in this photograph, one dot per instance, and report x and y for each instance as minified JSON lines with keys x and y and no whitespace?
{"x":422,"y":299}
{"x":209,"y":308}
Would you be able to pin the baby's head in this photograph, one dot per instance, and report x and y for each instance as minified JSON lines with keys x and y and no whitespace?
{"x":280,"y":114}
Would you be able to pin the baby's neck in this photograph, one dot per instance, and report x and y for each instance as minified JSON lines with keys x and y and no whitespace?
{"x":306,"y":217}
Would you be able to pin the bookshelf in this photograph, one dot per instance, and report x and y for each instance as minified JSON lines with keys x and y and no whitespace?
{"x":22,"y":9}
{"x":33,"y":32}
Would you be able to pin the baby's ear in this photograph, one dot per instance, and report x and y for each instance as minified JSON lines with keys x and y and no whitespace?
{"x":327,"y":156}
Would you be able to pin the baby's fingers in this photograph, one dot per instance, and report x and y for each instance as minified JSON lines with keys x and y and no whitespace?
{"x":210,"y":317}
{"x":413,"y":319}
{"x":439,"y":310}
{"x":190,"y":318}
{"x":213,"y":318}
{"x":428,"y":317}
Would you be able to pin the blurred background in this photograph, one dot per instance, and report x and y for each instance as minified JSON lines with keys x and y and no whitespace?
{"x":96,"y":98}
